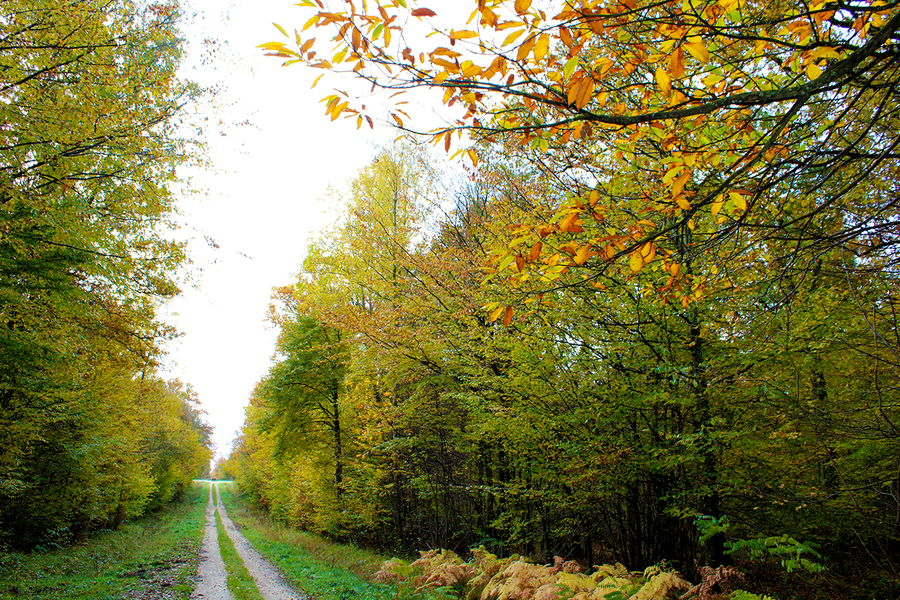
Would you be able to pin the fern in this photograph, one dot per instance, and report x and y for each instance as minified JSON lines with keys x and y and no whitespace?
{"x":742,"y":595}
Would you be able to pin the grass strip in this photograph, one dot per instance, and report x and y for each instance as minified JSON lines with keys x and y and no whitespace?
{"x":323,"y":569}
{"x":240,"y":583}
{"x":151,"y":557}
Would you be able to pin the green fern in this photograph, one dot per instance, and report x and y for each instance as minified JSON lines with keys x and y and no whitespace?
{"x":742,"y":595}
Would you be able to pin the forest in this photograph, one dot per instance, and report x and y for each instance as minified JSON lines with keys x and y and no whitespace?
{"x":633,"y":301}
{"x":655,"y":322}
{"x":90,"y":109}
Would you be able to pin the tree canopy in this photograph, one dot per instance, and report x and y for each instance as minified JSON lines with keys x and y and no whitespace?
{"x":90,"y":102}
{"x":739,"y":128}
{"x":658,"y":321}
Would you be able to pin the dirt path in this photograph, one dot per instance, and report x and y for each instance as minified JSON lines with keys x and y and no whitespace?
{"x":269,"y":581}
{"x":211,"y":574}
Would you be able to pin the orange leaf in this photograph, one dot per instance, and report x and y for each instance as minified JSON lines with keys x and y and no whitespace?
{"x":568,"y":221}
{"x":585,"y":94}
{"x":507,"y":318}
{"x":522,"y":5}
{"x":535,"y":251}
{"x":582,"y":255}
{"x":678,"y":184}
{"x":525,"y":48}
{"x":676,"y":63}
{"x":423,"y":12}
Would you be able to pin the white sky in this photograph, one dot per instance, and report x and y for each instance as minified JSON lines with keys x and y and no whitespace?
{"x":261,"y":203}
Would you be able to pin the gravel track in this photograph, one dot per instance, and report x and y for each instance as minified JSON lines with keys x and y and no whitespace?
{"x":212,"y":576}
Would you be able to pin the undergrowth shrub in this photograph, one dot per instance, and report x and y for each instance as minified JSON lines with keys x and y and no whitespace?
{"x":486,"y":577}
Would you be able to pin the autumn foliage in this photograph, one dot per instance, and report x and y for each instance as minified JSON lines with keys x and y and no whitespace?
{"x":90,"y":101}
{"x":657,"y":319}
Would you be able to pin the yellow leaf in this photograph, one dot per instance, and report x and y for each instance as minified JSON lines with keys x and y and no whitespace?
{"x":512,"y":37}
{"x":697,"y":49}
{"x":273,"y":46}
{"x":711,"y":80}
{"x":663,"y":80}
{"x":311,"y":22}
{"x":281,"y":29}
{"x":682,"y":202}
{"x":473,"y":156}
{"x":679,"y":183}
{"x":717,"y":205}
{"x":738,"y":200}
{"x":525,"y":48}
{"x":635,"y":262}
{"x":495,"y":314}
{"x":463,"y":34}
{"x":648,"y":252}
{"x":813,"y":71}
{"x":542,"y":46}
{"x":522,"y":5}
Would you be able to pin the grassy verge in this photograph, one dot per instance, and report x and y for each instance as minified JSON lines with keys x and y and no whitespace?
{"x":323,"y":569}
{"x":152,"y":557}
{"x":240,"y":583}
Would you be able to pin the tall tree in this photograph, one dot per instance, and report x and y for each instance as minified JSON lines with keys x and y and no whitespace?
{"x":90,"y":101}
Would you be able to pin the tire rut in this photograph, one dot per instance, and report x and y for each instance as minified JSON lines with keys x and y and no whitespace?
{"x":212,"y":578}
{"x":269,"y":580}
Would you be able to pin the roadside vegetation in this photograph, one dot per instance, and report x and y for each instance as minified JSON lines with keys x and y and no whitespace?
{"x":152,"y":557}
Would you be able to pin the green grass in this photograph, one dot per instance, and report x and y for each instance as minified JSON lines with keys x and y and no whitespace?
{"x":240,"y":583}
{"x":157,"y":552}
{"x":323,"y":569}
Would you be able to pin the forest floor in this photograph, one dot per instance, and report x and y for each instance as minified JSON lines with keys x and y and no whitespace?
{"x":154,"y":557}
